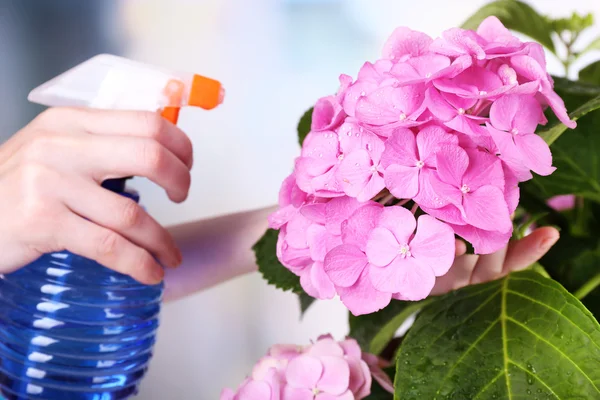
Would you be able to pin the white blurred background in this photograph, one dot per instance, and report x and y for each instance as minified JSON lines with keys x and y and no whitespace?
{"x":275,"y":59}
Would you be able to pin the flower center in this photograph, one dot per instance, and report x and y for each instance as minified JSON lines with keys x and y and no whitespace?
{"x":428,"y":75}
{"x":402,"y":117}
{"x":316,"y":391}
{"x":341,"y":157}
{"x":461,"y":111}
{"x":465,"y":189}
{"x":514,"y":131}
{"x":404,"y":251}
{"x":420,"y":164}
{"x":482,"y":92}
{"x":373,"y":168}
{"x":363,"y":94}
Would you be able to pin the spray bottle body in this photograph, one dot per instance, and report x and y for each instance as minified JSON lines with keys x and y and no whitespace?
{"x":70,"y":328}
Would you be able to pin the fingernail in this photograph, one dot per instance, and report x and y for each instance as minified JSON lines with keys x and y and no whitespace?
{"x":547,"y":243}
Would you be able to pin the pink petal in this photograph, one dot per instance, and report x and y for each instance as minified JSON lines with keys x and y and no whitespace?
{"x":326,"y":346}
{"x":255,"y":390}
{"x":400,"y":221}
{"x":428,"y":65}
{"x":227,"y":394}
{"x":400,"y":276}
{"x":315,"y":212}
{"x":535,"y":153}
{"x":464,"y":124}
{"x":406,"y":42}
{"x":445,"y":194}
{"x":418,"y":282}
{"x":351,"y":349}
{"x":292,"y":393}
{"x":492,"y":30}
{"x":448,"y":213}
{"x":429,"y":140}
{"x":377,"y":108}
{"x":484,"y":242}
{"x":357,"y":91}
{"x":473,"y":82}
{"x":296,"y":231}
{"x":374,"y":185}
{"x":336,"y":375}
{"x":337,"y":210}
{"x":347,"y":395}
{"x":511,"y":189}
{"x":558,"y":106}
{"x":519,"y":112}
{"x":353,"y":137}
{"x":360,"y":377}
{"x":427,"y":196}
{"x":452,"y":163}
{"x":304,"y":372}
{"x":357,"y":228}
{"x":362,"y":297}
{"x":456,"y":42}
{"x":321,"y":145}
{"x":382,"y":247}
{"x":433,"y":245}
{"x":484,"y":169}
{"x":562,"y":202}
{"x":344,"y":264}
{"x":355,"y":172}
{"x":438,"y":105}
{"x":485,"y":208}
{"x":407,"y":74}
{"x":327,"y":114}
{"x":400,"y":149}
{"x":316,"y":238}
{"x":528,"y":67}
{"x":402,"y":181}
{"x":316,"y":283}
{"x":282,"y":216}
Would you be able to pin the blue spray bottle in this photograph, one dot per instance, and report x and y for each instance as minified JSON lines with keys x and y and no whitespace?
{"x":71,"y":329}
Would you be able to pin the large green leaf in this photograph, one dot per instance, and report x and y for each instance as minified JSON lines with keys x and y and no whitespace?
{"x":304,"y":125}
{"x":523,"y":336}
{"x":551,"y":134}
{"x":517,"y":16}
{"x":591,"y":73}
{"x":270,"y":267}
{"x":374,"y":331}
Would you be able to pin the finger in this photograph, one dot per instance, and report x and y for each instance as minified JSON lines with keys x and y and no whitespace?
{"x":526,"y":251}
{"x":122,"y":215}
{"x":108,"y":248}
{"x":116,"y":157}
{"x":461,"y":248}
{"x":458,"y":276}
{"x":489,"y":267}
{"x":144,"y":124}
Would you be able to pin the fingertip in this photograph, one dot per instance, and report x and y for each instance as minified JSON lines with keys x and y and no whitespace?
{"x":461,"y":247}
{"x":548,"y":237}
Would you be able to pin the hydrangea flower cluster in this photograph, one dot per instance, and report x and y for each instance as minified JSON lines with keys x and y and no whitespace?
{"x":429,"y":141}
{"x":325,"y":370}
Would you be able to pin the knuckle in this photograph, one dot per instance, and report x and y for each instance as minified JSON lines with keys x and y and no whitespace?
{"x":153,"y":155}
{"x":34,"y":204}
{"x":153,"y":124}
{"x":107,"y":244}
{"x":131,"y":214}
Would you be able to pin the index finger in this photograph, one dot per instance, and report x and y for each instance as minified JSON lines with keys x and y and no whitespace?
{"x":134,"y":123}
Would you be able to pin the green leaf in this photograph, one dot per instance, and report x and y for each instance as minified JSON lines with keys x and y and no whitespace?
{"x":523,"y":336}
{"x":591,"y":73}
{"x":305,"y":302}
{"x":269,"y":266}
{"x":304,"y":125}
{"x":374,"y":331}
{"x":517,"y":16}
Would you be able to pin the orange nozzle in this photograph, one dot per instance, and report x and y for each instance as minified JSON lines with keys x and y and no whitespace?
{"x":171,"y":114}
{"x":205,"y":93}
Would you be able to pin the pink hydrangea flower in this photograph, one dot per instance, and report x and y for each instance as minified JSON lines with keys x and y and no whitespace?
{"x":455,"y":112}
{"x":327,"y":115}
{"x":291,"y":198}
{"x":325,"y":370}
{"x":316,"y":167}
{"x":405,"y":262}
{"x":473,"y":182}
{"x":369,"y":78}
{"x":409,"y":162}
{"x":513,"y":120}
{"x":405,"y":43}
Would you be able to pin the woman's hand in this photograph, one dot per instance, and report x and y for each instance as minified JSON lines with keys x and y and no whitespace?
{"x":471,"y":269}
{"x":51,"y":198}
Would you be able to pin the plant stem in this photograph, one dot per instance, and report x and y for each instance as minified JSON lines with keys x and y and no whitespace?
{"x":587,"y":287}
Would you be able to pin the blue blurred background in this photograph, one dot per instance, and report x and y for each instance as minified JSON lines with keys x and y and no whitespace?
{"x":275,"y":58}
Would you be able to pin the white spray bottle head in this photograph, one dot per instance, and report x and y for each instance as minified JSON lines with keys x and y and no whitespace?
{"x":110,"y":82}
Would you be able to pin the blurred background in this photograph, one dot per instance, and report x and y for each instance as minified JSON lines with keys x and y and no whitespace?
{"x":275,"y":58}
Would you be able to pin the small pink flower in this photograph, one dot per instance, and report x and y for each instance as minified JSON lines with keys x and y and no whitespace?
{"x":499,"y":41}
{"x":404,"y":262}
{"x":409,"y":162}
{"x":392,"y":104}
{"x":513,"y":121}
{"x":405,"y":43}
{"x":291,"y":198}
{"x":316,"y":167}
{"x":369,"y":78}
{"x":484,"y":242}
{"x":562,"y":202}
{"x":421,"y":69}
{"x":456,"y":42}
{"x":473,"y":181}
{"x":455,"y":112}
{"x":474,"y":83}
{"x":327,"y":115}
